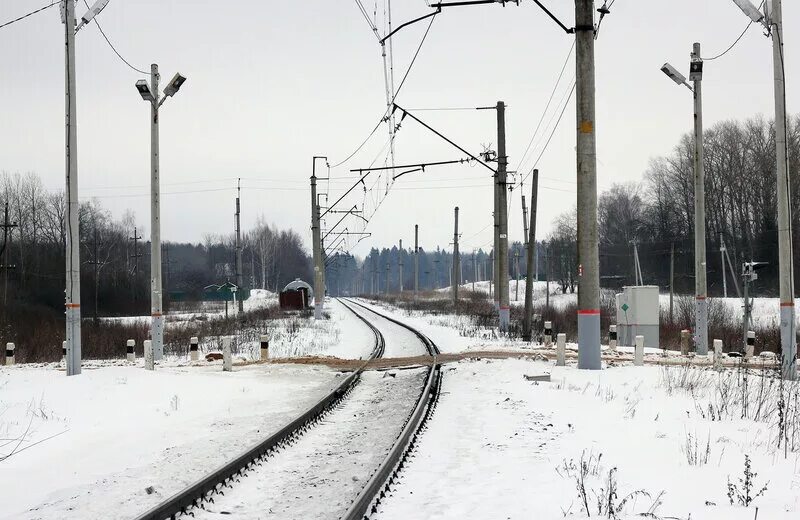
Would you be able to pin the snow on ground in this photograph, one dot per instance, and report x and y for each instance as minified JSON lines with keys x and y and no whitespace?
{"x":497,"y":446}
{"x":320,"y":475}
{"x":400,"y":342}
{"x":94,"y":442}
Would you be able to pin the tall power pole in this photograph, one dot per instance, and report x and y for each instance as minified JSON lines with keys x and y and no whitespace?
{"x":73,"y":261}
{"x":316,"y":242}
{"x":502,"y":256}
{"x":785,"y":267}
{"x":416,"y":260}
{"x":400,"y":264}
{"x":525,"y":234}
{"x":239,"y":244}
{"x":136,"y":255}
{"x":156,"y":308}
{"x":4,"y":250}
{"x":701,"y":285}
{"x":456,"y":277}
{"x":722,"y":259}
{"x":387,"y":275}
{"x":588,"y":249}
{"x":527,"y":322}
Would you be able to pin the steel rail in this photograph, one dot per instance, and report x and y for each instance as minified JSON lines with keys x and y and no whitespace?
{"x":381,"y":480}
{"x":193,"y":495}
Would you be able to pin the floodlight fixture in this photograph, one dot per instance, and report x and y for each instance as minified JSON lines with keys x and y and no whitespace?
{"x":674,"y":75}
{"x":750,"y":10}
{"x":98,"y":6}
{"x":144,"y":90}
{"x":174,"y":85}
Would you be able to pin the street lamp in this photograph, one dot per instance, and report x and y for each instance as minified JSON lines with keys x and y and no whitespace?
{"x":701,"y":286}
{"x":772,"y":20}
{"x":150,"y":94}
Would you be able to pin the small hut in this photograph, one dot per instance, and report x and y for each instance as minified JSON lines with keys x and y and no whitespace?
{"x":295,"y":296}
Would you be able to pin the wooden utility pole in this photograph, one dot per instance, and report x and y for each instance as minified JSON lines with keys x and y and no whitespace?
{"x":456,"y":276}
{"x":136,"y":255}
{"x":7,"y":227}
{"x":671,"y":282}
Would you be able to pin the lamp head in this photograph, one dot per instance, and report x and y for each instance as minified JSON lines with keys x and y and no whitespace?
{"x":144,"y":90}
{"x":673,"y":74}
{"x":750,"y":10}
{"x":174,"y":85}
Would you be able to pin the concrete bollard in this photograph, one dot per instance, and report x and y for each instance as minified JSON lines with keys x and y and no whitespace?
{"x":10,"y":358}
{"x":194,"y":353}
{"x":717,"y":352}
{"x":561,"y":350}
{"x":149,"y":362}
{"x":264,"y":347}
{"x":638,"y":354}
{"x":612,"y":338}
{"x":548,"y":333}
{"x":64,"y":351}
{"x":131,"y":350}
{"x":227,"y":365}
{"x":685,"y":335}
{"x":750,"y":347}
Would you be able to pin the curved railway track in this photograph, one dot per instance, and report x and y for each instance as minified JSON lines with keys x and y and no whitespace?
{"x":204,"y":490}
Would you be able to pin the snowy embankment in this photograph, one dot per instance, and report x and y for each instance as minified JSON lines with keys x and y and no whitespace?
{"x":501,"y":446}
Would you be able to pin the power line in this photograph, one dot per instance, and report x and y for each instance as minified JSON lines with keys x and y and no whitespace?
{"x":555,"y":127}
{"x":735,"y":41}
{"x":27,"y":15}
{"x":126,"y":62}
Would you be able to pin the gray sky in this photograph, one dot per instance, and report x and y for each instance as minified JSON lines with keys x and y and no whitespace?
{"x":273,"y":83}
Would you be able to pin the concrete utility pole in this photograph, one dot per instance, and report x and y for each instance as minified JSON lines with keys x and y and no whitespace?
{"x":387,"y":275}
{"x":722,"y":260}
{"x":502,"y":256}
{"x":416,"y":261}
{"x":4,"y":250}
{"x":436,"y":273}
{"x":474,"y":271}
{"x":316,"y":243}
{"x":588,"y":249}
{"x":73,"y":261}
{"x":701,"y":285}
{"x":156,"y":309}
{"x":785,"y":261}
{"x":136,"y":254}
{"x":400,"y":264}
{"x":516,"y":274}
{"x":456,"y":277}
{"x":527,"y":322}
{"x":525,"y":237}
{"x":671,"y":282}
{"x":239,"y":282}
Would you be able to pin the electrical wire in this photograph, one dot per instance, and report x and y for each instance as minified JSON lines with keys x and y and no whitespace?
{"x":27,"y":15}
{"x":397,"y":92}
{"x":555,"y":127}
{"x":126,"y":62}
{"x":735,"y":41}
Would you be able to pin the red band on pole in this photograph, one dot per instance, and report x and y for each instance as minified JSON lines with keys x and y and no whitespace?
{"x":156,"y":315}
{"x":589,"y":311}
{"x":700,"y":297}
{"x":73,"y":305}
{"x":504,"y":308}
{"x":790,"y":304}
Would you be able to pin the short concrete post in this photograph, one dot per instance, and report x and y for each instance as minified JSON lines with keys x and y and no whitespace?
{"x":10,"y":358}
{"x":638,"y":354}
{"x":227,"y":366}
{"x":717,"y":352}
{"x":131,"y":353}
{"x":685,"y":335}
{"x":548,"y":333}
{"x":612,"y":338}
{"x":194,"y":354}
{"x":561,"y":350}
{"x":63,"y":351}
{"x":149,"y":362}
{"x":750,"y":347}
{"x":264,"y":347}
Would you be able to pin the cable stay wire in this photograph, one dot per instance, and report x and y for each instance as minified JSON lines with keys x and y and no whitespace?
{"x":397,"y":92}
{"x":126,"y":62}
{"x":547,"y":107}
{"x":735,"y":42}
{"x":15,"y":20}
{"x":555,"y":127}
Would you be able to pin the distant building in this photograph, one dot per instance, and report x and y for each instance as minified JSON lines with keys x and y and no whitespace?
{"x":295,"y":296}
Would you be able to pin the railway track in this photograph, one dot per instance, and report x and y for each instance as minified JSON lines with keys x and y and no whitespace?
{"x":318,"y":420}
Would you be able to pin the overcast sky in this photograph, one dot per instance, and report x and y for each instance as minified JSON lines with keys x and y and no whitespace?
{"x":270,"y":84}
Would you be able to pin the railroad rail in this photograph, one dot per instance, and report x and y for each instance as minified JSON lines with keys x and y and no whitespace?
{"x":203,"y":489}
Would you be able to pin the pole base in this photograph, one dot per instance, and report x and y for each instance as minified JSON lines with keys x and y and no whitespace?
{"x":701,"y":326}
{"x":589,"y":340}
{"x":789,"y":341}
{"x":157,"y":336}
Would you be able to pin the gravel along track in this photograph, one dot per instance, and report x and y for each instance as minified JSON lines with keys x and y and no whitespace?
{"x":321,"y":473}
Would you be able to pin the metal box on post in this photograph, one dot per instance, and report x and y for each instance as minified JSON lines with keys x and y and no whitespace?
{"x":638,"y":314}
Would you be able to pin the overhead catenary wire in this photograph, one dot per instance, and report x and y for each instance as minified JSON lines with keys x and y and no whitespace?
{"x":555,"y":127}
{"x":15,"y":20}
{"x":105,"y":37}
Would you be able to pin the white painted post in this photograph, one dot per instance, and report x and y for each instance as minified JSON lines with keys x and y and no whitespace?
{"x":548,"y":333}
{"x":612,"y":338}
{"x":193,"y":348}
{"x":64,"y":351}
{"x":264,"y":347}
{"x":561,"y":350}
{"x":638,"y":355}
{"x":226,"y":354}
{"x":131,"y":346}
{"x":149,"y":362}
{"x":750,"y":348}
{"x":10,"y":359}
{"x":685,"y":342}
{"x":717,"y":352}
